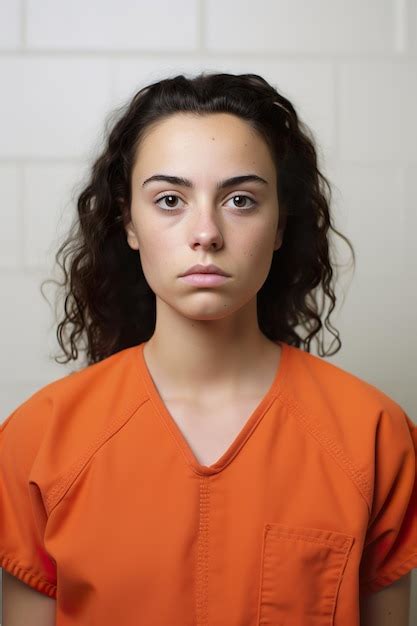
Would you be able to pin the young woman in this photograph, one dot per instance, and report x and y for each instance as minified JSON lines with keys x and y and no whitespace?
{"x":203,"y":467}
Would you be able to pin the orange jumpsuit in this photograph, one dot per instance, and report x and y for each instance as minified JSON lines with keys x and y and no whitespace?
{"x":104,"y":506}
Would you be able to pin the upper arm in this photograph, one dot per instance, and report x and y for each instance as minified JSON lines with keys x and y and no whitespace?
{"x":388,"y":607}
{"x":24,"y":605}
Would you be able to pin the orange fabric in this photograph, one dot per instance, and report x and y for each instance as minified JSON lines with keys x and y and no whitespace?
{"x":104,"y":507}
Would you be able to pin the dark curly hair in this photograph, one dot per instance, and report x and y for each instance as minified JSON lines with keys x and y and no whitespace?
{"x":108,"y":301}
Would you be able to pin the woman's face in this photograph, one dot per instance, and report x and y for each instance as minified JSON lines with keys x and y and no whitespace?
{"x":233,"y":227}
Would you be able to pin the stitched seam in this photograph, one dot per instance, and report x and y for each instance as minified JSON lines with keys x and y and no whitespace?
{"x":359,"y":479}
{"x":55,"y":495}
{"x":202,"y":555}
{"x":341,"y":572}
{"x":323,"y":542}
{"x":382,"y":575}
{"x":15,"y":563}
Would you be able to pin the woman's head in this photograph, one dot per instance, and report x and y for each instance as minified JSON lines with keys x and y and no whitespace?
{"x":133,"y":237}
{"x":202,"y":219}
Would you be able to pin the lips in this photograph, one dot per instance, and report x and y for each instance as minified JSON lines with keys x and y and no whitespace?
{"x":204,"y":280}
{"x":205,"y":269}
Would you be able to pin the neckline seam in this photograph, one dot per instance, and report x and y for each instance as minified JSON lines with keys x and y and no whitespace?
{"x":274,"y":392}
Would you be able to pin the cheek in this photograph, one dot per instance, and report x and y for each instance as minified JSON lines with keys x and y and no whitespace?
{"x":157,"y":254}
{"x":257,"y":246}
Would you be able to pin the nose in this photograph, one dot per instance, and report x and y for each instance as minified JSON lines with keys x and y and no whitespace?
{"x":205,"y":229}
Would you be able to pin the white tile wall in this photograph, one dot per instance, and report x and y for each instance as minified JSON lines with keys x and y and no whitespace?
{"x":323,"y":27}
{"x":10,"y":215}
{"x":53,"y":106}
{"x":48,"y":211}
{"x":348,"y":66}
{"x":378,"y":101}
{"x":410,"y":207}
{"x":10,"y":24}
{"x":161,"y":25}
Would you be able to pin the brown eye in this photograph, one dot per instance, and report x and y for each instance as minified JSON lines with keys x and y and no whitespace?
{"x":240,"y":198}
{"x":241,"y":202}
{"x":170,"y":196}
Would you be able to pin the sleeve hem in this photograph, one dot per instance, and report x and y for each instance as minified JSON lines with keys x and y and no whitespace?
{"x":34,"y":580}
{"x":384,"y":579}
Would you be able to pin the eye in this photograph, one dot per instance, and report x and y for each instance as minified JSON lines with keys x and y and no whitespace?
{"x":171,"y":195}
{"x":238,"y":208}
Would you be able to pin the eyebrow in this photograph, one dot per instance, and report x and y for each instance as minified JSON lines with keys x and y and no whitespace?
{"x":223,"y":184}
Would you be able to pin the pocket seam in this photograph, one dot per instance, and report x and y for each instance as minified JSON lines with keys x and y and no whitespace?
{"x":329,"y":544}
{"x":341,"y":546}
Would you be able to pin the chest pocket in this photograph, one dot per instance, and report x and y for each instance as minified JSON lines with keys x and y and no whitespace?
{"x":302,"y":569}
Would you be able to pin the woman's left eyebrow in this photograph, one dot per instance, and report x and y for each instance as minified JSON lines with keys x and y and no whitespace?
{"x":223,"y":184}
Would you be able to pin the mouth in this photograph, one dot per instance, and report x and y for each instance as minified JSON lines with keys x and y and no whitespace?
{"x":205,"y":269}
{"x":204,"y":280}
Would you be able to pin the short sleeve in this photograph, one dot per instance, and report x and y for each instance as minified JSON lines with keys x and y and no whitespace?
{"x":22,"y":513}
{"x":390,"y":548}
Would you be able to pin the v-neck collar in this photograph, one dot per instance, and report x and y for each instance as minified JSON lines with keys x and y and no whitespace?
{"x":244,"y":433}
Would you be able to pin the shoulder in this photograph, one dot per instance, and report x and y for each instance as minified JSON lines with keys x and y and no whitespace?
{"x":320,"y":383}
{"x":63,"y":422}
{"x":324,"y":387}
{"x":350,"y":417}
{"x":93,"y":386}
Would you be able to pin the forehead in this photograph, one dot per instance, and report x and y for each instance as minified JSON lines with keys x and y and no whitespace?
{"x":214,"y":141}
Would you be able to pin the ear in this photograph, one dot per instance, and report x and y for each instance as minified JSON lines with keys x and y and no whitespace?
{"x":278,"y":238}
{"x":282,"y":222}
{"x":131,"y":236}
{"x":127,"y":223}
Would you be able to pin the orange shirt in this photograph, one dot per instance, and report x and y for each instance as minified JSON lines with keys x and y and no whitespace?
{"x":104,"y":506}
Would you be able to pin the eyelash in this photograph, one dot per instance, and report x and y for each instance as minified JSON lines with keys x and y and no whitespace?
{"x":238,"y":195}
